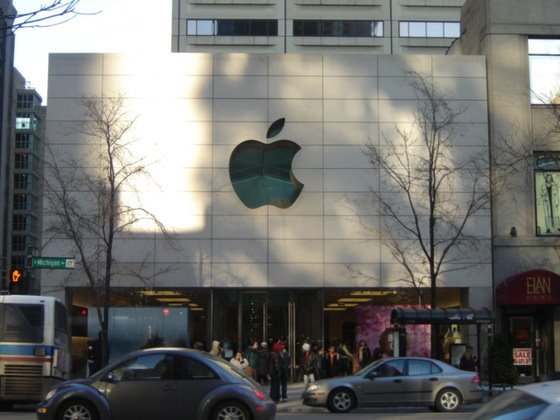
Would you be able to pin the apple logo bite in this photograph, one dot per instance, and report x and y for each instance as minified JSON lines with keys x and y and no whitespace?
{"x":261,"y":174}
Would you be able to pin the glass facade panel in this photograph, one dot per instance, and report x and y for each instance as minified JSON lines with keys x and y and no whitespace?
{"x":547,"y":193}
{"x":434,"y":29}
{"x":417,"y":29}
{"x":451,"y":30}
{"x":232,"y":27}
{"x":544,"y":70}
{"x":338,"y":28}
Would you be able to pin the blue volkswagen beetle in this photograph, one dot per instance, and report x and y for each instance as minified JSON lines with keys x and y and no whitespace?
{"x":166,"y":383}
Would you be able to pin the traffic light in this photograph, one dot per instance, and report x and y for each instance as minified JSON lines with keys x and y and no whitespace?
{"x":16,"y":280}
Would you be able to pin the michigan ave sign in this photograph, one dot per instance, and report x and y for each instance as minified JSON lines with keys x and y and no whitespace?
{"x":53,"y":262}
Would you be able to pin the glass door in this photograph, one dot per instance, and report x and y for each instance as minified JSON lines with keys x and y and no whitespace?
{"x":252,"y":316}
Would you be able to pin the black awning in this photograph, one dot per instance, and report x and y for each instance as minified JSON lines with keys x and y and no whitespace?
{"x":441,"y":316}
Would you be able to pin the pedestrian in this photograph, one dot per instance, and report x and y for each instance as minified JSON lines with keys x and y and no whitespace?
{"x":308,"y":364}
{"x":331,"y":362}
{"x":252,"y":357}
{"x":279,"y":366}
{"x":346,"y":359}
{"x":364,"y":354}
{"x":262,"y":364}
{"x":468,"y":361}
{"x":320,"y":371}
{"x":240,"y":362}
{"x":216,"y":349}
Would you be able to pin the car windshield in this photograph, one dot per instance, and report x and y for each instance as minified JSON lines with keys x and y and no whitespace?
{"x":367,"y":368}
{"x":512,"y":405}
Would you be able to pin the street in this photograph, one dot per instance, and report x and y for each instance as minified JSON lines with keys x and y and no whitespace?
{"x":318,"y":414}
{"x":293,"y":410}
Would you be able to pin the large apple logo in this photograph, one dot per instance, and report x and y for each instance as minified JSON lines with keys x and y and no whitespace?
{"x":261,"y":174}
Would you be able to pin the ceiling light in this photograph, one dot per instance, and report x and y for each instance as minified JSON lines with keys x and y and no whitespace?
{"x":357,"y":300}
{"x":373,"y":292}
{"x":160,"y":293}
{"x":173,"y":299}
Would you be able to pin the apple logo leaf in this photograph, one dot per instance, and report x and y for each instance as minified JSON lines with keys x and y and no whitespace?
{"x":275,"y":128}
{"x":261,"y":174}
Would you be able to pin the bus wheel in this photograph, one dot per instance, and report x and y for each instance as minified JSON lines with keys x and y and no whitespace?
{"x":77,"y":410}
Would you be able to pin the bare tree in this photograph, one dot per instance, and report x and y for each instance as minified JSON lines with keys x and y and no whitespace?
{"x":84,"y":199}
{"x":430,"y":188}
{"x":48,"y":14}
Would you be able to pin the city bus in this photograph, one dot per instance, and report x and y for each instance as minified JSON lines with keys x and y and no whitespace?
{"x":34,"y":347}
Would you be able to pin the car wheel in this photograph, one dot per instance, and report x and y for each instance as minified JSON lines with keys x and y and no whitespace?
{"x":77,"y":410}
{"x":341,"y":401}
{"x":448,"y":400}
{"x":231,"y":410}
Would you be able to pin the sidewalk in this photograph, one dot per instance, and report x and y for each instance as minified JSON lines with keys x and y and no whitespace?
{"x":294,"y":404}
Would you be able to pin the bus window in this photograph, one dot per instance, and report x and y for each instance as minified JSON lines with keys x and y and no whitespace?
{"x":60,"y":324}
{"x":22,"y":323}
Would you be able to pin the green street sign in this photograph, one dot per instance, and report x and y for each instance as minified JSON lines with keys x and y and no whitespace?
{"x":59,"y":263}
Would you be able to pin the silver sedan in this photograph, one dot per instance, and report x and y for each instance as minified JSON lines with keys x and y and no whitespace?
{"x":400,"y":381}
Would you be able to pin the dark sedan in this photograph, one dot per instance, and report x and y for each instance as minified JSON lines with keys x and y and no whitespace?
{"x":165,"y":383}
{"x":400,"y":381}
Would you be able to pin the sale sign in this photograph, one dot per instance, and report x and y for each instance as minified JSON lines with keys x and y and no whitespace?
{"x":522,"y":356}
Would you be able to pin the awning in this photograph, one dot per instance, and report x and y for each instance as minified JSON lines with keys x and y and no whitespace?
{"x":441,"y":316}
{"x":535,"y":287}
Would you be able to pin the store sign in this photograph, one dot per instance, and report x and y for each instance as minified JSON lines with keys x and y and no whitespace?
{"x":535,"y":287}
{"x":522,"y":356}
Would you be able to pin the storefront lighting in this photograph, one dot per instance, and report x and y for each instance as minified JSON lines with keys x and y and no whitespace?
{"x":373,"y":293}
{"x":334,"y":309}
{"x":197,"y":309}
{"x":354,"y":300}
{"x":173,"y":299}
{"x":160,"y":293}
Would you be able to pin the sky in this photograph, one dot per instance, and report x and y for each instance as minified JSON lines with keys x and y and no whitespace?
{"x":120,"y":26}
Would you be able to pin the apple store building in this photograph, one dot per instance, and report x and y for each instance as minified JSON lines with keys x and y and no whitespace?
{"x":266,"y":196}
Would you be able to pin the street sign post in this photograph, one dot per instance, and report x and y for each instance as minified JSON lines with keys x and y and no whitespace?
{"x":53,"y":263}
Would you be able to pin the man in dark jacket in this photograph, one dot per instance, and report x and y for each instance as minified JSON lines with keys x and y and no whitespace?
{"x":279,"y":370}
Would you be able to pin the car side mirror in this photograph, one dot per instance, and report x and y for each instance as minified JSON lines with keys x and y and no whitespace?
{"x":373,"y":374}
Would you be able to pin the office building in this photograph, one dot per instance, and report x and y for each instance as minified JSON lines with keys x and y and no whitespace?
{"x":316,"y":26}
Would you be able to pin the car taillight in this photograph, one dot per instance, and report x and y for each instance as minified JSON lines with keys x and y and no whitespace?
{"x":259,"y":394}
{"x":475,"y":380}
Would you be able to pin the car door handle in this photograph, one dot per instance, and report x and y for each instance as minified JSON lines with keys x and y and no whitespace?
{"x":433,"y":379}
{"x":397,"y":381}
{"x":168,"y":388}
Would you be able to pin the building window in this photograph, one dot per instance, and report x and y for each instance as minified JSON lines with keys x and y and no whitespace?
{"x":26,"y":121}
{"x":24,"y":141}
{"x":544,"y":70}
{"x":25,"y":101}
{"x":23,"y":202}
{"x":232,"y":27}
{"x":338,"y":28}
{"x":23,"y":182}
{"x":547,"y":193}
{"x":23,"y":161}
{"x":414,"y":29}
{"x":18,"y":243}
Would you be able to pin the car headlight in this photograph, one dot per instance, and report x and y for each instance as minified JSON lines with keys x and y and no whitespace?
{"x":50,"y":394}
{"x":312,"y":387}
